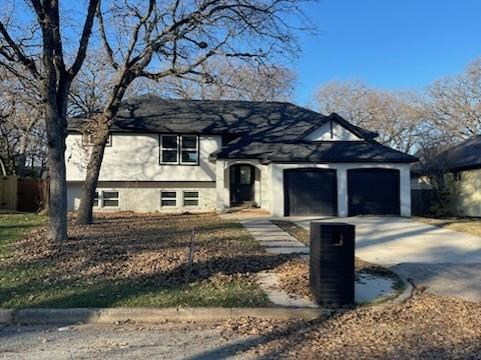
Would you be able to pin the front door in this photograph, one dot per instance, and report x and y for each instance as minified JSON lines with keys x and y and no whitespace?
{"x":242,"y":179}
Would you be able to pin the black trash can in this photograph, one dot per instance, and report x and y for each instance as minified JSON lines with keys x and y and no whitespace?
{"x":331,"y":268}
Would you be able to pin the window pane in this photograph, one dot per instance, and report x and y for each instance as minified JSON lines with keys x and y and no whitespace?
{"x":169,"y":141}
{"x":169,"y":156}
{"x":191,"y":202}
{"x":189,"y":156}
{"x":168,"y":202}
{"x":189,"y":142}
{"x":168,"y":194}
{"x":189,"y":194}
{"x":111,"y":194}
{"x":111,"y":203}
{"x":245,"y":175}
{"x":96,"y":196}
{"x":96,"y":202}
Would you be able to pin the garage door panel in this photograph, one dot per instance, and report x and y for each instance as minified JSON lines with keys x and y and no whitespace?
{"x":310,"y":192}
{"x":373,"y":192}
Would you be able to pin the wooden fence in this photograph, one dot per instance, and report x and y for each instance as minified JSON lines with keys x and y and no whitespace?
{"x":23,"y":194}
{"x":422,"y":202}
{"x":8,"y":193}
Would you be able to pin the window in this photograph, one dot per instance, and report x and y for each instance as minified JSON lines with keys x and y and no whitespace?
{"x":189,"y":149}
{"x":110,"y":198}
{"x":191,"y":198}
{"x":88,"y":140}
{"x":96,"y":199}
{"x":179,"y":149}
{"x":168,"y":198}
{"x":106,"y":199}
{"x":169,"y":149}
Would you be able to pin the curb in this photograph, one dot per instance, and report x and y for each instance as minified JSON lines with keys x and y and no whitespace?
{"x":399,"y":299}
{"x":149,"y":315}
{"x":6,"y":316}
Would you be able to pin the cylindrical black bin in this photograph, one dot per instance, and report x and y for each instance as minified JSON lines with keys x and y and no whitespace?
{"x":331,"y":270}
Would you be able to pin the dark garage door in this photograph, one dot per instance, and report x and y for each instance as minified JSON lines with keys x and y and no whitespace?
{"x":373,"y":191}
{"x":310,"y":192}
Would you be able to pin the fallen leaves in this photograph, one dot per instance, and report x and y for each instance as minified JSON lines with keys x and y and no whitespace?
{"x":426,"y":326}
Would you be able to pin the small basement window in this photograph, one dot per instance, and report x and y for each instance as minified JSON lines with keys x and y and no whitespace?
{"x":110,"y":198}
{"x":168,"y":198}
{"x":107,"y":198}
{"x":96,"y":199}
{"x":191,"y":198}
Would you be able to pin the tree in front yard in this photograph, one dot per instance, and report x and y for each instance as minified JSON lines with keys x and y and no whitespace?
{"x":32,"y":41}
{"x":157,"y":40}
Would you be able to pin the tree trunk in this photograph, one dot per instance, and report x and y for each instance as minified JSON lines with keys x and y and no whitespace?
{"x":57,"y":200}
{"x":85,"y":212}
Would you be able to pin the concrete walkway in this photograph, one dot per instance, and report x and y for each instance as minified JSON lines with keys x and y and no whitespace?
{"x":273,"y":238}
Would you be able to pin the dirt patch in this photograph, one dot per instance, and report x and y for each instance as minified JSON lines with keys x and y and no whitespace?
{"x":124,"y":258}
{"x":426,"y":326}
{"x":468,"y":225}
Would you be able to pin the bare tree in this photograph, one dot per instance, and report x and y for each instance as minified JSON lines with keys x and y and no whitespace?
{"x":398,"y":117}
{"x":22,"y":131}
{"x":455,"y":104}
{"x":229,"y":80}
{"x":173,"y":39}
{"x":31,"y":35}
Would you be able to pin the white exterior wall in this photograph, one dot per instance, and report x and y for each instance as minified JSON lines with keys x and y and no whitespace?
{"x":136,"y":157}
{"x":277,"y":184}
{"x":145,"y":196}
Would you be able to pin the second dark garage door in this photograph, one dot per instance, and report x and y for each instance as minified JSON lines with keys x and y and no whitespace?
{"x":310,"y":192}
{"x":373,"y":192}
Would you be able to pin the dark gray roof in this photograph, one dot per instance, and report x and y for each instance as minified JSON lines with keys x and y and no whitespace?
{"x":325,"y":151}
{"x":269,"y":130}
{"x":465,"y":155}
{"x":271,"y":121}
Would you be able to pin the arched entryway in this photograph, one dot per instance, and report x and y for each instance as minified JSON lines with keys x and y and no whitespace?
{"x":242,"y":184}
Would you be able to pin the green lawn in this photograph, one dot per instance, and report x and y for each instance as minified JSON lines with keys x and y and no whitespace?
{"x":131,"y":260}
{"x":14,"y":226}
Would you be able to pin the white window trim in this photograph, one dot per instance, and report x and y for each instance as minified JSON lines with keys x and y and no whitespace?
{"x":188,"y":149}
{"x":100,"y":199}
{"x":179,"y":150}
{"x":176,"y":199}
{"x":191,"y":198}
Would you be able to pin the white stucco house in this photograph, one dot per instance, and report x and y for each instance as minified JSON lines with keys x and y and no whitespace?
{"x":197,"y":156}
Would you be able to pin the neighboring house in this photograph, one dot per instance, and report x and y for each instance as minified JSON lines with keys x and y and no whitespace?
{"x":178,"y":155}
{"x":462,"y":163}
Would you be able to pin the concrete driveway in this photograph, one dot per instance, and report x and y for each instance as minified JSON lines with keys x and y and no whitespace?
{"x":446,"y":261}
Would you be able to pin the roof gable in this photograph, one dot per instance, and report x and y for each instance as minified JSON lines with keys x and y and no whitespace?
{"x":331,"y":131}
{"x":336,"y":128}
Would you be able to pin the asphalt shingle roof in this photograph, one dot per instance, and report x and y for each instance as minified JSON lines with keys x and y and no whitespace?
{"x":266,"y":130}
{"x":465,"y":155}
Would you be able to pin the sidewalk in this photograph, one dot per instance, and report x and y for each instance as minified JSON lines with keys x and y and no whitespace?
{"x":273,"y":238}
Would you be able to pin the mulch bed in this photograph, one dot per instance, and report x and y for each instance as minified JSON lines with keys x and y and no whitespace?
{"x":425,"y":327}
